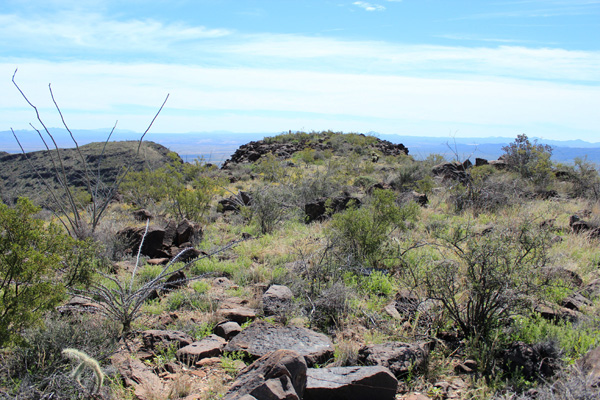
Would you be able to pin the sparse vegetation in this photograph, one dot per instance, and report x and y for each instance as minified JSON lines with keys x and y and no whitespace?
{"x":483,"y":266}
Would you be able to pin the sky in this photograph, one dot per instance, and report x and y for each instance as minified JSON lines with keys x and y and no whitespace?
{"x":440,"y":68}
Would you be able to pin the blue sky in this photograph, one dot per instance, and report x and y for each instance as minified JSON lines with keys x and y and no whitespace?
{"x":411,"y":67}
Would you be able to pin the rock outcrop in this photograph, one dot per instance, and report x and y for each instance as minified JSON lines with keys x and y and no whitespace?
{"x":261,"y":338}
{"x":280,"y":375}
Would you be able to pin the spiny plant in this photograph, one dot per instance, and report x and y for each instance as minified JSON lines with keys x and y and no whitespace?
{"x":85,"y":361}
{"x":123,"y":301}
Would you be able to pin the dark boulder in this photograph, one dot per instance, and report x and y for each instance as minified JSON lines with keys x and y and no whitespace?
{"x":227,"y":329}
{"x":541,"y":360}
{"x":279,"y":375}
{"x":154,"y":337}
{"x":153,"y":242}
{"x":401,"y":358}
{"x":480,"y":162}
{"x":322,"y":209}
{"x":142,"y":215}
{"x":350,"y":383}
{"x":451,"y":171}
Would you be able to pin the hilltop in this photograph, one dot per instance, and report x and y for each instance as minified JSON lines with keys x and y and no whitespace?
{"x":20,"y":179}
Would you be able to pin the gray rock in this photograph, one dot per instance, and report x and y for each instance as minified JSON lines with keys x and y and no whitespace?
{"x":531,"y":361}
{"x":146,"y":384}
{"x":589,"y":365}
{"x":277,"y":300}
{"x":210,"y":346}
{"x":278,"y":375}
{"x":554,"y":312}
{"x":592,"y":289}
{"x":154,"y":337}
{"x":238,"y":314}
{"x":261,"y":338}
{"x":350,"y":383}
{"x":576,"y":302}
{"x":227,"y":329}
{"x":400,"y":358}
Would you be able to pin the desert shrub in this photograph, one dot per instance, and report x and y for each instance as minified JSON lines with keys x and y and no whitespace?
{"x":486,"y":190}
{"x":270,"y":168}
{"x":36,"y":260}
{"x":186,"y":190}
{"x":574,"y":340}
{"x":530,"y":160}
{"x":409,"y":176}
{"x":360,"y":234}
{"x":122,"y":301}
{"x":584,"y":178}
{"x":146,"y":188}
{"x":190,"y":300}
{"x":269,"y":207}
{"x":489,"y":278}
{"x":365,"y":181}
{"x":193,"y":189}
{"x":310,"y":187}
{"x":377,"y":283}
{"x":307,"y":156}
{"x":331,"y":306}
{"x":39,"y":370}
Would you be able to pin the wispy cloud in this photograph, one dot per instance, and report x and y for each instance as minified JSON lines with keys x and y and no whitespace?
{"x":235,"y":99}
{"x":369,"y":6}
{"x":476,"y":38}
{"x":92,"y":37}
{"x":89,"y":31}
{"x":539,"y":9}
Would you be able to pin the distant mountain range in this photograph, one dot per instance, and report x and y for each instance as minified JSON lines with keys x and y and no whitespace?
{"x":217,"y":146}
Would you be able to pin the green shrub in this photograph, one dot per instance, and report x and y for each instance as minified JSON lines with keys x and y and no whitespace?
{"x":36,"y":261}
{"x":360,"y":234}
{"x":584,"y":178}
{"x":490,"y":277}
{"x":270,"y":168}
{"x":269,"y":207}
{"x":574,"y":340}
{"x":530,"y":160}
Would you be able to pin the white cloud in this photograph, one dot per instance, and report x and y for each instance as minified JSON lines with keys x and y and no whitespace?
{"x":96,"y":94}
{"x":90,"y":31}
{"x":369,"y":6}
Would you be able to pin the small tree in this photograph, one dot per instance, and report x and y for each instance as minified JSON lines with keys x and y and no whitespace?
{"x":34,"y":259}
{"x":530,"y":160}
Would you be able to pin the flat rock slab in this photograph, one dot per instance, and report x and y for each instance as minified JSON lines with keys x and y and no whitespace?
{"x":401,"y":358}
{"x":238,"y":314}
{"x":261,"y":338}
{"x":350,"y":383}
{"x":210,"y":346}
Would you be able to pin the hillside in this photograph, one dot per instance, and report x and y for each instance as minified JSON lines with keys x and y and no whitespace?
{"x":20,"y":179}
{"x":327,"y":265}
